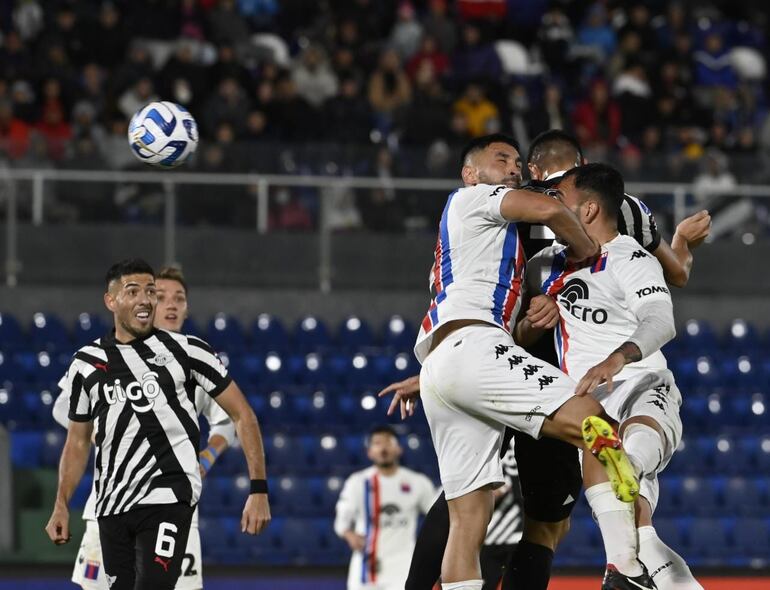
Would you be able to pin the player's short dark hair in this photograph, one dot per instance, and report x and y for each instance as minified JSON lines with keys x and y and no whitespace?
{"x":603,"y":181}
{"x":172,"y":273}
{"x":481,"y":143}
{"x":129,"y":266}
{"x":380,"y":429}
{"x":556,"y":144}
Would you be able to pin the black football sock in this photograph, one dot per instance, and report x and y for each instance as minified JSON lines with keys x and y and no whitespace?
{"x":529,"y":567}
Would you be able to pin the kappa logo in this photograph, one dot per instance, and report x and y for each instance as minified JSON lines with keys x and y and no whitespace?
{"x":545,"y":381}
{"x":530,"y":370}
{"x":501,"y":350}
{"x":148,"y":389}
{"x":515,"y":360}
{"x":576,"y":290}
{"x":639,"y":254}
{"x":161,"y":359}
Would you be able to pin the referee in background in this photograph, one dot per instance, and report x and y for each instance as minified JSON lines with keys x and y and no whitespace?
{"x":135,"y":388}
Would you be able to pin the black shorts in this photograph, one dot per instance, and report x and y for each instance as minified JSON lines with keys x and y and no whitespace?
{"x":549,"y":475}
{"x":143,"y":548}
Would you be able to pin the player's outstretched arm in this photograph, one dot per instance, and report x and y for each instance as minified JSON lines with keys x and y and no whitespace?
{"x":256,"y":513}
{"x":72,"y":465}
{"x":531,"y":207}
{"x":676,"y":259}
{"x":407,"y":395}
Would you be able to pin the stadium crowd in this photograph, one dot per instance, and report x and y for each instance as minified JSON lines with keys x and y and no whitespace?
{"x":669,"y":91}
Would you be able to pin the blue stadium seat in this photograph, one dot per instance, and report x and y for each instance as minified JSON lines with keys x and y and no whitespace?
{"x":355,"y":445}
{"x":11,"y":336}
{"x":268,"y":334}
{"x":741,"y":371}
{"x":698,"y":337}
{"x":53,"y":442}
{"x":298,"y":496}
{"x":88,"y":327}
{"x":334,"y":550}
{"x":224,"y":333}
{"x":190,"y":326}
{"x":317,"y":409}
{"x":329,"y":454}
{"x":313,"y":370}
{"x":390,"y":368}
{"x":11,"y":371}
{"x":691,"y":370}
{"x":420,"y":455}
{"x":686,"y":459}
{"x":751,"y":537}
{"x":707,"y":538}
{"x":366,"y":410}
{"x":82,"y":492}
{"x":762,"y":454}
{"x":670,"y":499}
{"x":741,"y":338}
{"x":398,"y":334}
{"x":219,"y":494}
{"x":671,"y":531}
{"x":700,"y":496}
{"x":743,"y":496}
{"x":231,"y":462}
{"x":358,"y":372}
{"x":27,"y":449}
{"x":215,"y":537}
{"x":583,"y":541}
{"x":311,"y":335}
{"x":285,"y":454}
{"x":749,"y":412}
{"x":276,"y":373}
{"x":300,"y":539}
{"x":279,"y":410}
{"x":48,"y":333}
{"x":330,"y":489}
{"x":354,"y":334}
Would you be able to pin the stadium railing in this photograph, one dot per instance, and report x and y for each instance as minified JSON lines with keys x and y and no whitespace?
{"x":34,"y":181}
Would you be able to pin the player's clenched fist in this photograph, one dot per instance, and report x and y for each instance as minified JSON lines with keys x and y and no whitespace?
{"x":694,"y":229}
{"x":256,"y":514}
{"x":543,"y":312}
{"x":58,"y":527}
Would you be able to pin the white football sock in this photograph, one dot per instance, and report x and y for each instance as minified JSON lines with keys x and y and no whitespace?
{"x":616,"y":522}
{"x":644,"y":447}
{"x":466,"y":585}
{"x":667,"y":568}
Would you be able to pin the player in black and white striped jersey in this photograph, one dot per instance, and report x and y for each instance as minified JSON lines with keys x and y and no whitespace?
{"x":136,"y":388}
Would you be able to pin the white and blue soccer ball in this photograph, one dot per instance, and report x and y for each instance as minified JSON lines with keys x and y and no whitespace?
{"x":163,"y":134}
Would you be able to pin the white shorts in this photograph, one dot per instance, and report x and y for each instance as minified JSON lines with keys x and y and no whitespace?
{"x":476,"y":382}
{"x":88,"y":572}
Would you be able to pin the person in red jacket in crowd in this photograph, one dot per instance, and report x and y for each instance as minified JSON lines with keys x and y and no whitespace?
{"x":597,"y":118}
{"x":14,"y":133}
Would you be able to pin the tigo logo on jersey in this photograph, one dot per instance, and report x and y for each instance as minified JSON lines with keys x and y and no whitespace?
{"x":148,"y":389}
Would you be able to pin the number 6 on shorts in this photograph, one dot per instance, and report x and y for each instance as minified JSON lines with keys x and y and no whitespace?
{"x":165,"y":543}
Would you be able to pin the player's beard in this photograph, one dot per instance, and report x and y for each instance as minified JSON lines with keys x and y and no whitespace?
{"x":137,"y":331}
{"x":513,"y":181}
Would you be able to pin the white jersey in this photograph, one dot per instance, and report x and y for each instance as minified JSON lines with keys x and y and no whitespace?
{"x":383,"y":509}
{"x":204,"y":404}
{"x":479,"y":264}
{"x":598,"y":303}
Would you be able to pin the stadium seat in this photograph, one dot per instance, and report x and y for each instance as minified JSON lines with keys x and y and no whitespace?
{"x":741,"y":338}
{"x":190,"y":326}
{"x":749,"y":412}
{"x":11,"y":371}
{"x":48,"y":333}
{"x":313,"y":370}
{"x":698,"y":337}
{"x":700,"y":496}
{"x":743,"y":497}
{"x":751,"y":538}
{"x":329,"y":454}
{"x":742,"y":371}
{"x":268,"y":334}
{"x":671,"y":531}
{"x":358,"y":372}
{"x":583,"y":541}
{"x":285,"y":454}
{"x":275,"y":373}
{"x":88,"y":327}
{"x":297,"y":496}
{"x":11,"y":336}
{"x":670,"y":499}
{"x":27,"y":449}
{"x":330,"y":489}
{"x":224,"y":333}
{"x":316,"y":409}
{"x":354,"y":334}
{"x":219,"y":494}
{"x":707,"y":538}
{"x":762,"y":454}
{"x":311,"y":335}
{"x":389,"y":369}
{"x":420,"y":455}
{"x":53,"y":442}
{"x":398,"y":334}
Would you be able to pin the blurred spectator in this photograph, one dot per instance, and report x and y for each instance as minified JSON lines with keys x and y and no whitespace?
{"x":389,"y":90}
{"x":67,"y":32}
{"x":15,"y":60}
{"x":316,"y":82}
{"x":380,"y":209}
{"x":428,"y":52}
{"x":597,"y":119}
{"x":406,"y":34}
{"x":548,"y":113}
{"x":14,"y":133}
{"x":292,"y":116}
{"x":182,"y":78}
{"x":596,"y":36}
{"x":715,"y":179}
{"x":229,"y":105}
{"x":667,"y":26}
{"x":629,"y":50}
{"x":555,"y":36}
{"x":28,"y":19}
{"x":192,"y":20}
{"x":136,"y":97}
{"x":288,"y":213}
{"x":153,"y":19}
{"x":92,"y":87}
{"x":56,"y":132}
{"x":481,"y":113}
{"x":347,"y":115}
{"x":228,"y":66}
{"x":633,"y":95}
{"x":518,"y":112}
{"x":85,"y":123}
{"x":712,"y":64}
{"x":640,"y":25}
{"x":105,"y":40}
{"x":227,"y":24}
{"x":491,"y":10}
{"x":260,"y":13}
{"x":53,"y":62}
{"x":439,"y":25}
{"x":114,"y":145}
{"x":93,"y":200}
{"x":24,"y":104}
{"x":475,"y":59}
{"x":428,"y":115}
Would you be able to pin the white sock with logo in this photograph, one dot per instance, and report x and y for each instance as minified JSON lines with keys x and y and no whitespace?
{"x":667,"y":568}
{"x":644,"y":447}
{"x":616,"y":522}
{"x":466,"y":585}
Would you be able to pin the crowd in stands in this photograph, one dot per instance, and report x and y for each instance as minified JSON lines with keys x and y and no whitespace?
{"x":669,"y":91}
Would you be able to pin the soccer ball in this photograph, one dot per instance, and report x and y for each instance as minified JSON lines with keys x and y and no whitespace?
{"x":163,"y":134}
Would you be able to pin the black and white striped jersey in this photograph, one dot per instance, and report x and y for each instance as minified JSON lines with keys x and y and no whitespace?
{"x":507,"y":523}
{"x":141,"y":398}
